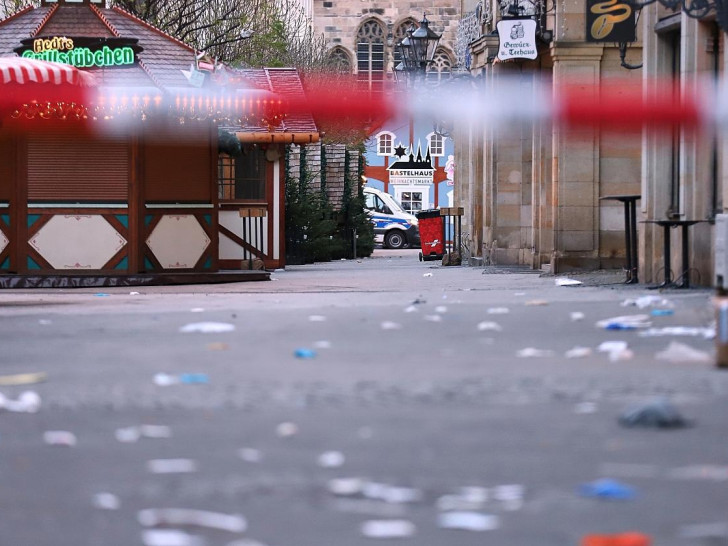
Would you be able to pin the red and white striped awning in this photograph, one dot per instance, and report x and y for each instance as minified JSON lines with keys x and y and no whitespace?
{"x":16,"y":70}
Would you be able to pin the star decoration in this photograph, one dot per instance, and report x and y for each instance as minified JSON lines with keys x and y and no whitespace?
{"x":399,"y":151}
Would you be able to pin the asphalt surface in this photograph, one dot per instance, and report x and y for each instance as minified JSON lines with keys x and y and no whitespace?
{"x":406,"y":385}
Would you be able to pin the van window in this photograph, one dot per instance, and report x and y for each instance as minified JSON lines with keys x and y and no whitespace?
{"x":374,"y":203}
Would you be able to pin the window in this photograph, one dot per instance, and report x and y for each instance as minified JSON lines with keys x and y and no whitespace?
{"x":338,"y":60}
{"x":385,"y":144}
{"x":441,"y":67}
{"x":242,"y":178}
{"x":411,"y":201}
{"x":437,"y":144}
{"x":370,"y":55}
{"x":375,"y":204}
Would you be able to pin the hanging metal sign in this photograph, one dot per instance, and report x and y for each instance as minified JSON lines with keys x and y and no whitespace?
{"x":517,"y":39}
{"x":609,"y":21}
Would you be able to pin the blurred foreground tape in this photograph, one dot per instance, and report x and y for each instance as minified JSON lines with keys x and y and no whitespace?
{"x":622,"y":539}
{"x":22,"y":379}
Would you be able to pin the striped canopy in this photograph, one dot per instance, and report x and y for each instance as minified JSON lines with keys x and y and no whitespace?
{"x":16,"y":70}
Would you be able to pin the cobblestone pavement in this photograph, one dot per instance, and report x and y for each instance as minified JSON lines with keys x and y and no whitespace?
{"x":410,"y":378}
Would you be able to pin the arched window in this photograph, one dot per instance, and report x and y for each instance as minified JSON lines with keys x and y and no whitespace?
{"x":400,"y":33}
{"x":338,"y":60}
{"x":441,"y":67}
{"x":436,"y":141}
{"x":370,"y":55}
{"x":385,"y":144}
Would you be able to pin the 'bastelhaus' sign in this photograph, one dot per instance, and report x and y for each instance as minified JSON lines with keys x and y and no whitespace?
{"x":517,"y":39}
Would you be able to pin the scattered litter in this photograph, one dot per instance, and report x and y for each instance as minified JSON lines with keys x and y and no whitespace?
{"x":498,"y":311}
{"x":433,"y":318}
{"x":621,"y":539}
{"x":22,"y":379}
{"x":127,"y":435}
{"x":585,"y":408}
{"x":705,"y":530}
{"x":656,"y":413}
{"x":410,"y":309}
{"x":617,"y":350}
{"x":27,"y":402}
{"x":486,"y":326}
{"x":218,"y":346}
{"x":607,"y":489}
{"x":134,"y":294}
{"x":156,"y":517}
{"x":705,"y":333}
{"x":155,"y":431}
{"x":323,"y":344}
{"x":388,"y":325}
{"x":170,"y":537}
{"x":536,"y":303}
{"x":61,"y":438}
{"x":530,"y":352}
{"x":646,"y":301}
{"x":629,"y":470}
{"x":106,"y":501}
{"x":304,"y":354}
{"x":171,"y":466}
{"x":563,"y":281}
{"x":101,"y":295}
{"x":419,"y":301}
{"x":441,"y":309}
{"x":508,"y":492}
{"x":679,"y":352}
{"x":331,"y":459}
{"x":317,"y":318}
{"x":250,"y":455}
{"x":390,"y":528}
{"x":207,"y":328}
{"x":625,"y":322}
{"x":345,"y":487}
{"x":286,"y":430}
{"x":427,"y":275}
{"x":165,"y":380}
{"x":700,"y":472}
{"x":662,"y":312}
{"x":578,"y":352}
{"x":468,"y":521}
{"x":576,"y":316}
{"x":390,"y":493}
{"x":197,"y":310}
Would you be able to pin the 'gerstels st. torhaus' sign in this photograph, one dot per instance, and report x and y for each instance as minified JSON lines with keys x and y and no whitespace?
{"x":609,"y":21}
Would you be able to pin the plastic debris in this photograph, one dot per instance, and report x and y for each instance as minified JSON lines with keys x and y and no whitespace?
{"x":102,"y":295}
{"x":250,"y":455}
{"x":498,"y":311}
{"x":585,"y":408}
{"x":700,"y":472}
{"x":171,"y":466}
{"x":705,"y":333}
{"x":646,"y":301}
{"x":661,"y":312}
{"x":607,"y":489}
{"x":170,"y":537}
{"x":391,"y":528}
{"x":679,"y":352}
{"x":576,"y":316}
{"x":323,"y":344}
{"x":317,"y":318}
{"x":427,"y":275}
{"x":625,"y":322}
{"x":530,"y":352}
{"x":128,"y":435}
{"x":286,"y":430}
{"x":331,"y":459}
{"x":655,"y":413}
{"x":563,"y":281}
{"x":433,"y":318}
{"x":578,"y":352}
{"x":705,"y":530}
{"x":27,"y":402}
{"x":536,"y":303}
{"x":390,"y":493}
{"x":165,"y":380}
{"x":486,"y":326}
{"x":468,"y":521}
{"x":156,"y":517}
{"x":134,"y":294}
{"x":345,"y":487}
{"x":61,"y":438}
{"x":22,"y":379}
{"x":410,"y":309}
{"x":304,"y":354}
{"x":617,"y":350}
{"x":389,"y":325}
{"x":621,"y":539}
{"x":207,"y":328}
{"x":441,"y":309}
{"x":106,"y":501}
{"x":197,"y":310}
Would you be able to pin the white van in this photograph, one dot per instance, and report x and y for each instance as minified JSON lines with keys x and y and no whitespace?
{"x":393,"y":226}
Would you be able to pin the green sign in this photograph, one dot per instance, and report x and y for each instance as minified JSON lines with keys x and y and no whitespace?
{"x":81,"y":52}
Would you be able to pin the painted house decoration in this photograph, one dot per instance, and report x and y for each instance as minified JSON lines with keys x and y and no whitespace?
{"x":417,"y":174}
{"x":83,"y":203}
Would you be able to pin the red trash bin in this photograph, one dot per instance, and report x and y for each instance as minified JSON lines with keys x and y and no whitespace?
{"x":432,"y":238}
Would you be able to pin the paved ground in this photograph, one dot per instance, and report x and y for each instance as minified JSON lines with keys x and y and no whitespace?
{"x":407,"y":384}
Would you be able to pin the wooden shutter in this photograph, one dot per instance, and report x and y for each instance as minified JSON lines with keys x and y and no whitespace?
{"x":77,"y":168}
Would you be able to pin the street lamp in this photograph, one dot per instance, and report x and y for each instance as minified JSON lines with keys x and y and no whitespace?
{"x":417,"y":50}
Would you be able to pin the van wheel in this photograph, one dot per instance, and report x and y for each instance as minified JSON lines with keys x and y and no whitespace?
{"x":395,"y":239}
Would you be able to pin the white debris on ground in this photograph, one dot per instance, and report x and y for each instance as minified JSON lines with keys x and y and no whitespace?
{"x":331,"y":459}
{"x":680,"y":352}
{"x":27,"y":402}
{"x":531,"y":352}
{"x":487,"y":326}
{"x":163,"y":517}
{"x":171,"y":466}
{"x":392,"y":528}
{"x":207,"y":328}
{"x":468,"y":521}
{"x":62,"y":438}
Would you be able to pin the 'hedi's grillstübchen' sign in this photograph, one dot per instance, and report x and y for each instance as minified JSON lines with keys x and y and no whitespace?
{"x":517,"y":39}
